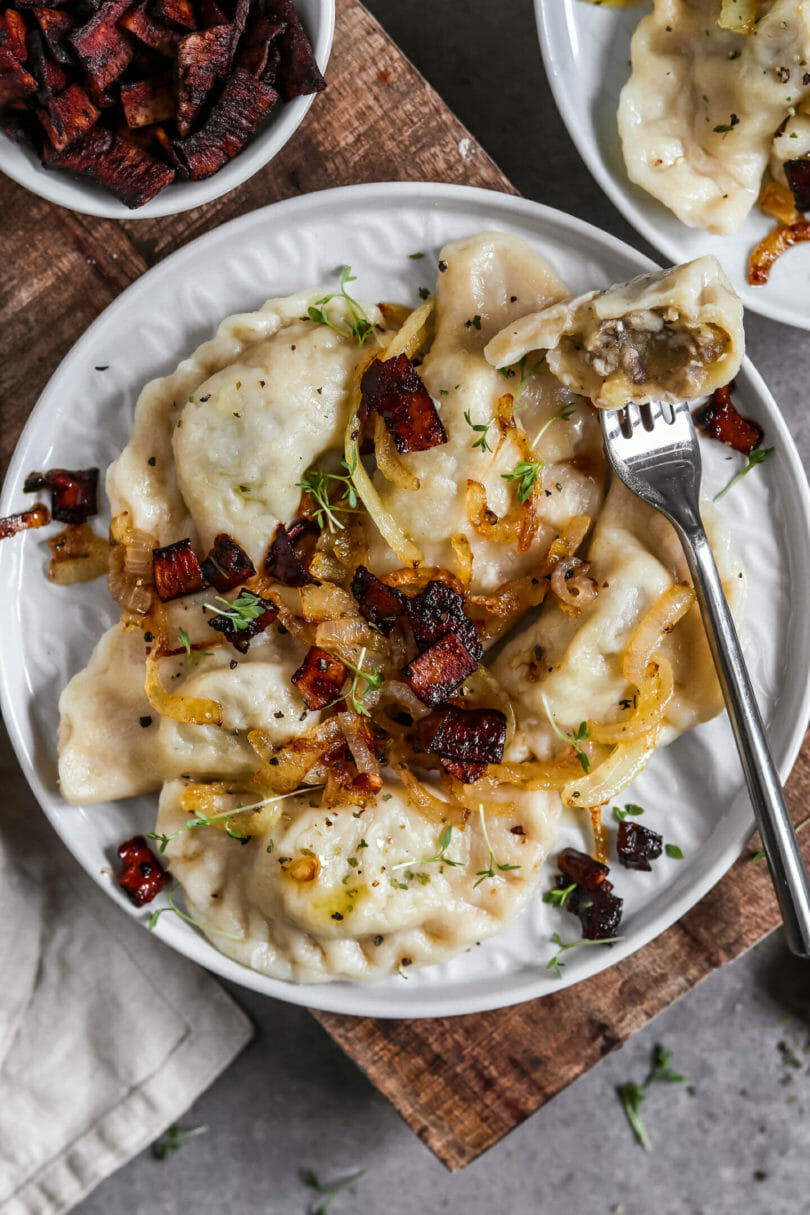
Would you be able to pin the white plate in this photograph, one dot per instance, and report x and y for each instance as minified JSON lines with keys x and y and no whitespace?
{"x":586,"y":51}
{"x":22,"y":165}
{"x":84,"y":417}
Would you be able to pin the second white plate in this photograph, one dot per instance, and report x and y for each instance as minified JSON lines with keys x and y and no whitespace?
{"x":586,"y":51}
{"x":692,"y":790}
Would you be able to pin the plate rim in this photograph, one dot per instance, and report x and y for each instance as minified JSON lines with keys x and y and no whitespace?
{"x":330,"y":996}
{"x":617,"y":191}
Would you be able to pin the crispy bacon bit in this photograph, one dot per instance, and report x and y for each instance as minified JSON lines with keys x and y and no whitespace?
{"x":637,"y":845}
{"x":15,"y":82}
{"x":73,"y":493}
{"x":211,"y":14}
{"x":437,"y":672}
{"x":243,"y":106}
{"x":395,"y":390}
{"x":474,"y":736}
{"x":583,"y":869}
{"x":298,"y":72}
{"x":68,"y":116}
{"x":142,"y":875}
{"x":202,"y":59}
{"x":175,"y":12}
{"x":241,"y":636}
{"x":379,"y":604}
{"x":49,"y":75}
{"x":319,"y":679}
{"x":132,"y":174}
{"x":281,"y":561}
{"x":718,"y":419}
{"x":762,"y":258}
{"x":176,"y":570}
{"x":153,"y":33}
{"x":468,"y":774}
{"x":260,"y":48}
{"x":227,"y":564}
{"x":12,"y":34}
{"x":599,"y":910}
{"x":148,"y":101}
{"x":102,"y":48}
{"x":56,"y":25}
{"x":37,"y":516}
{"x":797,"y":173}
{"x":438,"y":610}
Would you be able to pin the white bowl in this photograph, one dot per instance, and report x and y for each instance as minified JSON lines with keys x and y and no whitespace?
{"x":22,"y":165}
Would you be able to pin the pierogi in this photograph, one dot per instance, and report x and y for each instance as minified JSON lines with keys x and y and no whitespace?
{"x":322,"y":837}
{"x":705,"y":107}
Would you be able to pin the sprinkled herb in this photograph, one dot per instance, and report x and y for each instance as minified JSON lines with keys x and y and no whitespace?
{"x":175,"y":1135}
{"x":372,"y":679}
{"x":201,"y":819}
{"x":557,"y":897}
{"x":440,"y":857}
{"x":317,"y":484}
{"x":359,"y":327}
{"x":424,"y":293}
{"x":525,"y":374}
{"x":632,"y":1095}
{"x":582,"y":732}
{"x":483,"y":874}
{"x":674,"y":851}
{"x":525,"y":474}
{"x":480,"y":429}
{"x":152,"y":461}
{"x":724,"y":128}
{"x":557,"y":966}
{"x":621,"y":815}
{"x":476,"y":321}
{"x":145,"y":722}
{"x":415,"y":256}
{"x":756,"y":457}
{"x":192,"y":654}
{"x":242,"y":611}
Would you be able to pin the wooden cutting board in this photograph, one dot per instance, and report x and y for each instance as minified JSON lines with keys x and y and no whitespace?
{"x":461,"y":1083}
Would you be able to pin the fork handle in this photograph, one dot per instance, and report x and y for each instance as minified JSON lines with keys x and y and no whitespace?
{"x":773,"y":820}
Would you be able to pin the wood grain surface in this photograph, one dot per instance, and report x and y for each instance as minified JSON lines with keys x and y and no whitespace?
{"x":461,"y":1083}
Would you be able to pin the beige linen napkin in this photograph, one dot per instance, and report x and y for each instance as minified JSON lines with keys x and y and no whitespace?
{"x":106,"y":1035}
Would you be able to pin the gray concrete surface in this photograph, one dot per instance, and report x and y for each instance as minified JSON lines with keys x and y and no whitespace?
{"x":738,"y":1140}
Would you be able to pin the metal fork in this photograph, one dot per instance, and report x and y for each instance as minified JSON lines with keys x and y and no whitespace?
{"x":654,"y":451}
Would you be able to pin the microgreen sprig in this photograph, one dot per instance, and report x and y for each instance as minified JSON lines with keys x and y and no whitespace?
{"x":520,"y":369}
{"x":483,"y":874}
{"x":481,"y":429}
{"x":558,"y":896}
{"x":172,"y":906}
{"x":440,"y":858}
{"x":175,"y":1135}
{"x":201,"y":819}
{"x":755,"y":458}
{"x":630,"y":808}
{"x":185,"y":642}
{"x":582,"y":732}
{"x":528,"y":472}
{"x":331,"y":1191}
{"x":372,"y":679}
{"x":359,"y":327}
{"x":242,"y":611}
{"x":632,"y":1095}
{"x":556,"y":965}
{"x":317,"y":484}
{"x":759,"y":855}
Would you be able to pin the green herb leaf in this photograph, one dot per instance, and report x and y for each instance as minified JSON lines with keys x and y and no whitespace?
{"x":579,"y":735}
{"x":674,"y":851}
{"x":483,"y":874}
{"x":526,"y":474}
{"x":330,"y":1191}
{"x":630,"y":808}
{"x":372,"y":679}
{"x":557,"y":897}
{"x":520,"y":369}
{"x":174,"y":1136}
{"x":480,"y":429}
{"x":632,"y":1095}
{"x":241,"y":611}
{"x":557,"y":966}
{"x":756,"y":457}
{"x":359,"y":327}
{"x":440,"y":858}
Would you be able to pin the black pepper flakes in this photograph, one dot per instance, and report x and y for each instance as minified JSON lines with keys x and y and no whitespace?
{"x":442,"y":267}
{"x":148,"y":637}
{"x":278,"y":714}
{"x":378,"y":940}
{"x":337,"y":915}
{"x":145,"y":722}
{"x":233,"y":664}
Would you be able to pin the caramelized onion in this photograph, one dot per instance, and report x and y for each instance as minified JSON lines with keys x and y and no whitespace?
{"x":327,"y":602}
{"x":284,"y":768}
{"x":389,"y":461}
{"x":572,"y":585}
{"x":420,"y":797}
{"x":464,"y":555}
{"x":606,"y":780}
{"x":77,"y":555}
{"x":187,"y":709}
{"x":660,"y":620}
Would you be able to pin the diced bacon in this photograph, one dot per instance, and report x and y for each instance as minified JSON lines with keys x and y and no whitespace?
{"x":394,"y":389}
{"x":243,"y":106}
{"x":599,"y":910}
{"x":131,"y":173}
{"x":211,"y":14}
{"x":718,"y":419}
{"x":202,"y":59}
{"x":37,"y":516}
{"x":475,"y":736}
{"x":49,"y":75}
{"x":320,"y":678}
{"x":298,"y":72}
{"x":15,"y":82}
{"x":20,"y":127}
{"x":103,"y":50}
{"x":240,"y":636}
{"x":636,"y":846}
{"x":12,"y":34}
{"x":147,"y":102}
{"x":797,"y":173}
{"x":583,"y":869}
{"x":381,"y":605}
{"x":175,"y":12}
{"x":260,"y":47}
{"x":437,"y":610}
{"x":282,"y":562}
{"x":176,"y":570}
{"x":73,"y":492}
{"x":56,"y":25}
{"x":68,"y":116}
{"x":227,"y":564}
{"x":142,"y":875}
{"x":468,"y":774}
{"x":437,"y":672}
{"x":160,"y":37}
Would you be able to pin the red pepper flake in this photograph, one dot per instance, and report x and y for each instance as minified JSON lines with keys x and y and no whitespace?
{"x":142,"y":875}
